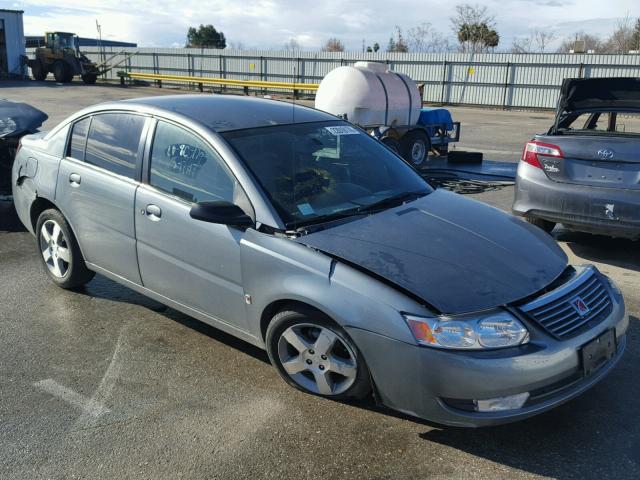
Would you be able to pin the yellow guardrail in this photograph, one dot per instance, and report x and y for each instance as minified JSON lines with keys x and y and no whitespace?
{"x":224,"y":81}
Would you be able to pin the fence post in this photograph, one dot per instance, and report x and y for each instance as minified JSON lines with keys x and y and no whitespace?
{"x":444,"y":81}
{"x":581,"y":70}
{"x":506,"y":86}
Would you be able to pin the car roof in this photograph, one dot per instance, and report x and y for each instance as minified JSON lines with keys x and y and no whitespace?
{"x":222,"y":113}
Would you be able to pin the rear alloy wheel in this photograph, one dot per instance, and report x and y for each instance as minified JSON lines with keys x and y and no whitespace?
{"x":545,"y":225}
{"x":59,"y":251}
{"x":314,"y":355}
{"x":415,"y":146}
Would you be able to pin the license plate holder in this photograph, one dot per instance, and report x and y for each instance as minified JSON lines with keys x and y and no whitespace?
{"x":598,"y":352}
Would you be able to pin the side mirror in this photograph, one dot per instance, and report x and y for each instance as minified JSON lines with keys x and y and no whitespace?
{"x":224,"y":213}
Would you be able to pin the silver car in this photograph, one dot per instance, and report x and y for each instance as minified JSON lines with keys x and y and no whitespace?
{"x":585,"y":171}
{"x":297,"y":232}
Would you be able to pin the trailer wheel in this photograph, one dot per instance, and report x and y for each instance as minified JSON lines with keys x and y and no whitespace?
{"x":392,"y":143}
{"x":415,"y":146}
{"x":89,"y":78}
{"x":38,"y":71}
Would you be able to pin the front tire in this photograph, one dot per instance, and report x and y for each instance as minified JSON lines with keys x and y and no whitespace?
{"x":59,"y":252}
{"x":60,"y":71}
{"x":314,"y":355}
{"x":89,"y":78}
{"x":545,"y":225}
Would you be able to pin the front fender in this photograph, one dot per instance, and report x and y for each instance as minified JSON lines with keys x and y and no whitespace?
{"x":277,"y":269}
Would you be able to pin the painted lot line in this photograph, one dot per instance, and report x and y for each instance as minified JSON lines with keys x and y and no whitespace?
{"x":88,"y":406}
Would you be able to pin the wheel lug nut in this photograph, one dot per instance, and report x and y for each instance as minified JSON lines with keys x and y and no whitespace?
{"x":309,"y":362}
{"x":324,"y":357}
{"x":311,"y":351}
{"x":321,"y":367}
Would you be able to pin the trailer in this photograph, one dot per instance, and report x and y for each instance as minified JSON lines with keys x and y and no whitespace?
{"x":388,"y":105}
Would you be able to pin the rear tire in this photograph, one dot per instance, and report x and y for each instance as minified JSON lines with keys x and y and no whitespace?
{"x":415,"y":147}
{"x":59,"y":251}
{"x":545,"y":225}
{"x":316,"y":356}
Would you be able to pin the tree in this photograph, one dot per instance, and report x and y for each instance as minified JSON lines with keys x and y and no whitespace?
{"x":423,"y":38}
{"x":333,"y":45}
{"x":635,"y":37}
{"x":292,"y":45}
{"x":473,"y":27}
{"x":621,"y":40}
{"x":398,"y":44}
{"x":581,"y":41}
{"x":536,"y":42}
{"x":205,"y":36}
{"x":376,"y":46}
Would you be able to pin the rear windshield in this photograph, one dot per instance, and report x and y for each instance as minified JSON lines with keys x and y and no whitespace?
{"x":601,"y":123}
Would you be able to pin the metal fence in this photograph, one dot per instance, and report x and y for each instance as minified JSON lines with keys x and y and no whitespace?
{"x":498,"y":80}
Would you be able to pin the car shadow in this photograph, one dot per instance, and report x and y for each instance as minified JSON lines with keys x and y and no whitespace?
{"x":104,"y":288}
{"x":617,"y":252}
{"x":593,"y":436}
{"x":9,"y":221}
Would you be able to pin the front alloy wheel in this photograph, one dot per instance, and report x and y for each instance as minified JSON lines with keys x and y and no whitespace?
{"x":317,"y":359}
{"x":316,"y":356}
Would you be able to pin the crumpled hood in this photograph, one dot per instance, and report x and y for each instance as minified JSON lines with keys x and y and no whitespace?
{"x":457,"y":254}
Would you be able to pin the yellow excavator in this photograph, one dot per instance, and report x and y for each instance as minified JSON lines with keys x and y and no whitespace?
{"x":61,"y":56}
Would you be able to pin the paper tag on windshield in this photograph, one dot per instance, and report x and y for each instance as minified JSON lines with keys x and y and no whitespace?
{"x":343,"y":130}
{"x":306,"y":209}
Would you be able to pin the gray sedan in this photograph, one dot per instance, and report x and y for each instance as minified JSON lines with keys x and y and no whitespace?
{"x":297,"y":232}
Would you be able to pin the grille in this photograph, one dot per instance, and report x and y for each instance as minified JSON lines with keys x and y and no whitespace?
{"x":556,"y":313}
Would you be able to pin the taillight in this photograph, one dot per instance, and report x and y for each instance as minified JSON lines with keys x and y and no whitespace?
{"x":534,"y":149}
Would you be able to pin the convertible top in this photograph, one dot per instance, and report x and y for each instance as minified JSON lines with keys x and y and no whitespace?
{"x":597,"y":93}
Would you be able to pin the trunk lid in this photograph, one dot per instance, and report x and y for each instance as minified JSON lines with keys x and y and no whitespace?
{"x":596,"y":160}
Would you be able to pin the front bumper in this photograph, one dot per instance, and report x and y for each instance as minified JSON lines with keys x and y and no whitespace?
{"x":606,"y":211}
{"x":416,"y":380}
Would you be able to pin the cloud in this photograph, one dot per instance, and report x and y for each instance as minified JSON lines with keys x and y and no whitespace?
{"x":267,"y":24}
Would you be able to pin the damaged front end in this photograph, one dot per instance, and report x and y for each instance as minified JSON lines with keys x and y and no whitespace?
{"x":16,"y":121}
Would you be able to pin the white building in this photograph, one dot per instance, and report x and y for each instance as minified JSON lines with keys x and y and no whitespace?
{"x":12,"y":44}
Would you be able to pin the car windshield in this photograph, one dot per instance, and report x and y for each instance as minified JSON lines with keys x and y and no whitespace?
{"x":317,"y":172}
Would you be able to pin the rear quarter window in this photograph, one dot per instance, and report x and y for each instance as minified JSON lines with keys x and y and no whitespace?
{"x":78,"y":140}
{"x":113,"y":142}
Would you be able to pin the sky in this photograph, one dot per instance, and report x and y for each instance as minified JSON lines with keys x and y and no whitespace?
{"x":269,"y":24}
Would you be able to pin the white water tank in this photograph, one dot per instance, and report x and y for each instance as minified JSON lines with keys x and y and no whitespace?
{"x":370,"y":94}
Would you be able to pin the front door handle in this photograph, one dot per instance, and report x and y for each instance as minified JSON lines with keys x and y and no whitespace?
{"x":153,"y":212}
{"x":74,"y":179}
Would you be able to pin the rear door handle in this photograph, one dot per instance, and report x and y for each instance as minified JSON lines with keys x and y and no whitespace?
{"x":75,"y":179}
{"x":153,"y":212}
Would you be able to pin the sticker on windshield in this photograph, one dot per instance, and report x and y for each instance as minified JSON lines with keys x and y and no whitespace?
{"x":343,"y":130}
{"x":305,"y":209}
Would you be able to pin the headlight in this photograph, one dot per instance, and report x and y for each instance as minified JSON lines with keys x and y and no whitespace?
{"x":493,"y":330}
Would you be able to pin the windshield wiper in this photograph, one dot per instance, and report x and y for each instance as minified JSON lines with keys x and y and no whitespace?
{"x":330,"y":217}
{"x":392,"y":201}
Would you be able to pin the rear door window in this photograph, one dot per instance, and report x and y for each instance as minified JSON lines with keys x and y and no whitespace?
{"x":185,"y":166}
{"x":79,"y":139}
{"x":113,"y":142}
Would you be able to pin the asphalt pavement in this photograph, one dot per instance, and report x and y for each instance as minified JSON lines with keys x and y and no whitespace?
{"x":102,"y":382}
